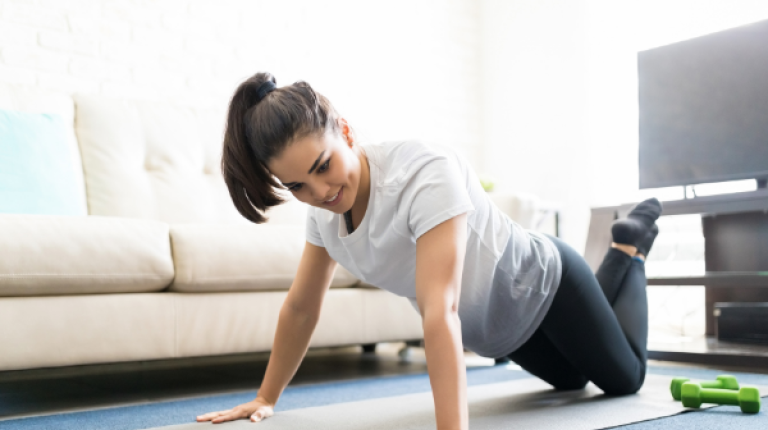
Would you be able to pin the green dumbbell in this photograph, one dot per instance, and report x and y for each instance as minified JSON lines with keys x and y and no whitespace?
{"x":723,"y":382}
{"x":748,"y":398}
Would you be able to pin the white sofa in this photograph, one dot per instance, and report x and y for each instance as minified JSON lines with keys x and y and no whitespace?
{"x":162,"y":266}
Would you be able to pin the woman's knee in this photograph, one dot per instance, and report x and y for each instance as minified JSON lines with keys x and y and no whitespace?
{"x":575,"y":382}
{"x":624,"y":387}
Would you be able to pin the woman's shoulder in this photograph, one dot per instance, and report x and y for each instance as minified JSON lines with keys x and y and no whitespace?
{"x":411,"y":146}
{"x":399,"y":150}
{"x":397,"y":158}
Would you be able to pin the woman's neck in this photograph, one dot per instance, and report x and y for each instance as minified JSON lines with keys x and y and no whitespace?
{"x":363,"y":189}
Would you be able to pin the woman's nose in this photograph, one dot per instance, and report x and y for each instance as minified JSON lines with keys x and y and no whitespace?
{"x":320,"y":192}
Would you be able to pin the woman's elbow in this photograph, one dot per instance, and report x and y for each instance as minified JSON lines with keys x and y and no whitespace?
{"x":440,"y":317}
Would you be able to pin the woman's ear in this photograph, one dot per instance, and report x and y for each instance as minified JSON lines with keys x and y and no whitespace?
{"x":346,"y":131}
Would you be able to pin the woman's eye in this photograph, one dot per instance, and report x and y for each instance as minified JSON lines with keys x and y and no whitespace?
{"x":322,"y":169}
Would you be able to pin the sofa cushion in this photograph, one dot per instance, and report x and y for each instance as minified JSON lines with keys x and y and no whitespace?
{"x":16,"y":98}
{"x":230,"y":323}
{"x":64,"y":331}
{"x":250,"y":257}
{"x":58,"y":255}
{"x":292,"y":212}
{"x":152,"y":160}
{"x":36,"y":174}
{"x":159,"y":161}
{"x":86,"y":329}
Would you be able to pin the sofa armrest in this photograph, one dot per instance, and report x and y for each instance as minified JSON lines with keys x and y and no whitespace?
{"x":529,"y":211}
{"x":61,"y":255}
{"x":521,"y":208}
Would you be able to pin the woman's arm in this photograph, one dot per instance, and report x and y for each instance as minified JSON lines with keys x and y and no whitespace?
{"x":439,"y":265}
{"x":298,"y":318}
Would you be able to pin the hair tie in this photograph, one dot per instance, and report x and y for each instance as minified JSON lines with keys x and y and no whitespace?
{"x":264,"y":89}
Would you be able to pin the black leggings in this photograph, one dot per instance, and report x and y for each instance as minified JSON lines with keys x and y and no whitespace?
{"x":596,"y":329}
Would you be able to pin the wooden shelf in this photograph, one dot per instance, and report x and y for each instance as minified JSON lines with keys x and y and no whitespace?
{"x":735,"y":229}
{"x":748,"y":201}
{"x":709,"y":350}
{"x":716,"y":279}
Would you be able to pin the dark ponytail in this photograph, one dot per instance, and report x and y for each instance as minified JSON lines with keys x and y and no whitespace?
{"x":259,"y":130}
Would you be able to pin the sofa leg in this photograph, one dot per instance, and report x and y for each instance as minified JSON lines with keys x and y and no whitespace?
{"x":369,"y":348}
{"x":405,"y":352}
{"x":418,"y":343}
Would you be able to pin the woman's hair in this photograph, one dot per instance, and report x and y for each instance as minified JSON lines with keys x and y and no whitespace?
{"x":259,"y":130}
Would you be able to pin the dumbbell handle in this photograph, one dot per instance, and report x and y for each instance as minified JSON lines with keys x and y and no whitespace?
{"x":711,"y":384}
{"x":726,"y":382}
{"x":721,"y":397}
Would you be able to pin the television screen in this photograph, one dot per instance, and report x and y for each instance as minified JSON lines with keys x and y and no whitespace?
{"x":703,"y":106}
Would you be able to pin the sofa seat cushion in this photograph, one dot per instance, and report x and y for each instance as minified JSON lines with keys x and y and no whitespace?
{"x":247,"y":257}
{"x":235,"y":323}
{"x":60,"y":255}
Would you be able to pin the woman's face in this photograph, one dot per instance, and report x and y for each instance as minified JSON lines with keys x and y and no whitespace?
{"x":321,"y":170}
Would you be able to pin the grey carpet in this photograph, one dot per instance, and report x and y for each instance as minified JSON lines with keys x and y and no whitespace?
{"x":527,"y":404}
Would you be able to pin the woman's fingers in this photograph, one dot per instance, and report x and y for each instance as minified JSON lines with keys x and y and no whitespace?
{"x":256,"y":410}
{"x":233,"y":415}
{"x":211,"y":415}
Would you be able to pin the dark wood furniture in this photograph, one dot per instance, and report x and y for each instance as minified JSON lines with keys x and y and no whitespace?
{"x":735,"y":228}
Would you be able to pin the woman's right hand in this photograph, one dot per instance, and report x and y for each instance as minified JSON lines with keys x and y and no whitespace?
{"x":257,"y":410}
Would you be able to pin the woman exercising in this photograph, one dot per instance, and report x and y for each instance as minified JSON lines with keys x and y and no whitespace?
{"x":413,"y":219}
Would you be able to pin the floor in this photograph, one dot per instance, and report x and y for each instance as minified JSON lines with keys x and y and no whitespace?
{"x":45,"y":391}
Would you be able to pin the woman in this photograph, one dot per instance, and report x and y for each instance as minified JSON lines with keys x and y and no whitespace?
{"x":413,"y":219}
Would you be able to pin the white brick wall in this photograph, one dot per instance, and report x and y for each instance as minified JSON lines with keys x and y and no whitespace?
{"x":395,"y":69}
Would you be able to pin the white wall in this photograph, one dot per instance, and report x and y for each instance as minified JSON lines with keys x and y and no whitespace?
{"x":617,"y":30}
{"x":559,"y":107}
{"x":540,"y":95}
{"x":533,"y":106}
{"x":396,"y":69}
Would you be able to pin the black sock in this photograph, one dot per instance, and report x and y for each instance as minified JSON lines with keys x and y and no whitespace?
{"x":647,"y":211}
{"x":639,"y":228}
{"x":645,"y":244}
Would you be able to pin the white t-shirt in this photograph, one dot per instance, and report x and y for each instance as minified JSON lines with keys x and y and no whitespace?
{"x":510,"y":274}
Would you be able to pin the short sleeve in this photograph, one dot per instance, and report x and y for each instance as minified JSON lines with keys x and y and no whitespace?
{"x":435,"y":193}
{"x":313,"y":232}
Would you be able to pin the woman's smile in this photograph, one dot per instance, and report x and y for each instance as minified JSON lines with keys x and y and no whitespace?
{"x":336,"y":198}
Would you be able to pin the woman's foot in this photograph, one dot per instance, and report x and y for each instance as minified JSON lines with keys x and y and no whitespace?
{"x":644,"y":246}
{"x":647,"y":211}
{"x":639,"y":228}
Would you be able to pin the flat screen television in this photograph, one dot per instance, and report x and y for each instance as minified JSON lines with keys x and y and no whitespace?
{"x":703,"y":108}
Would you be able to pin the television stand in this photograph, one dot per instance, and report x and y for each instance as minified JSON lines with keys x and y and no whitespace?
{"x":710,"y":351}
{"x":735,"y":228}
